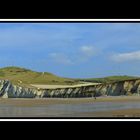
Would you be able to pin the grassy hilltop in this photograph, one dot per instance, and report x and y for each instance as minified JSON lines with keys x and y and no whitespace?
{"x":109,"y":79}
{"x":26,"y":76}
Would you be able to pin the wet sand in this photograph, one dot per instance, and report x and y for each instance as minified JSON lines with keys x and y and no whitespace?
{"x":116,"y":106}
{"x":123,"y":113}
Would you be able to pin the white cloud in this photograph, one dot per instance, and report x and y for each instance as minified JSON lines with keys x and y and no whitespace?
{"x":82,"y":55}
{"x":121,"y":57}
{"x":60,"y":58}
{"x":87,"y":52}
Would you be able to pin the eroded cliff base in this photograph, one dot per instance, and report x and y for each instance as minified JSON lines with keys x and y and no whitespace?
{"x":129,"y":87}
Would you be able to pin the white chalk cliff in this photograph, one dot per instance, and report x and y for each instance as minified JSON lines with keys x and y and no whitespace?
{"x":129,"y":87}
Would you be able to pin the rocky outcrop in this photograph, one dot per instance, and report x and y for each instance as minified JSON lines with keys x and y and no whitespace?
{"x":129,"y":87}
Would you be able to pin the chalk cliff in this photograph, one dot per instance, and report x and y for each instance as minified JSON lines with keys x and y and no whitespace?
{"x":129,"y":87}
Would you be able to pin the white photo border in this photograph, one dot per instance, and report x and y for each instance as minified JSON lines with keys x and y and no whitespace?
{"x":70,"y":20}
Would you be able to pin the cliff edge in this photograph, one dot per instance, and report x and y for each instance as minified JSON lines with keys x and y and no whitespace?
{"x":128,"y":87}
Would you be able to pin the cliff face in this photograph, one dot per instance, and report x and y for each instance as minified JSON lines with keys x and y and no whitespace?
{"x":130,"y":87}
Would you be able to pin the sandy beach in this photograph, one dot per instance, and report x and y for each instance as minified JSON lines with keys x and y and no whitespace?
{"x":48,"y":101}
{"x":119,"y":106}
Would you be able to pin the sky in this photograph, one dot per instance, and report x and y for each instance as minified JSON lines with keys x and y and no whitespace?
{"x":76,"y":50}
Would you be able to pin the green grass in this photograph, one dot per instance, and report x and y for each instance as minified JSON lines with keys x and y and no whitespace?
{"x":17,"y":74}
{"x":109,"y":79}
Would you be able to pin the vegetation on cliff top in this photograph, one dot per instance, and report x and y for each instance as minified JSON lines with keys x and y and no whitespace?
{"x":24,"y":76}
{"x":109,"y":79}
{"x":19,"y":75}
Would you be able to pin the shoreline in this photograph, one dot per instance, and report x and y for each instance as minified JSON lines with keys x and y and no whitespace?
{"x":53,"y":101}
{"x":71,"y":107}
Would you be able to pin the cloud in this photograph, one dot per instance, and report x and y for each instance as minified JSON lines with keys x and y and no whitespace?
{"x":87,"y":52}
{"x":60,"y":58}
{"x":83,"y":54}
{"x":122,"y":57}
